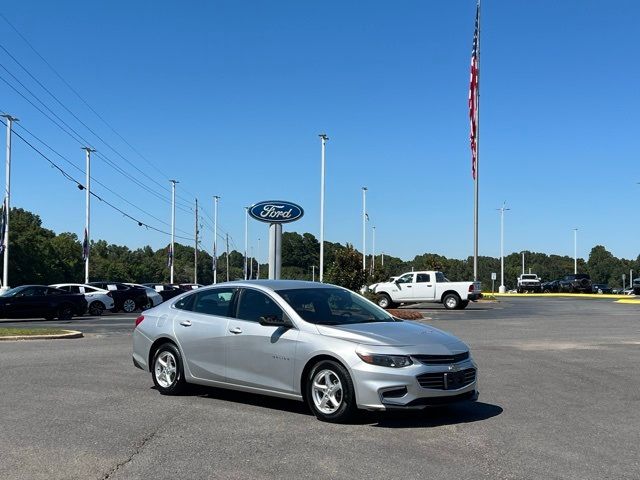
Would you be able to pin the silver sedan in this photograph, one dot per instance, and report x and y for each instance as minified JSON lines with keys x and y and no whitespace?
{"x":304,"y":341}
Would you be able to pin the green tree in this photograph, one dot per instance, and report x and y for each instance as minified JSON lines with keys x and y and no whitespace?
{"x":346,"y":269}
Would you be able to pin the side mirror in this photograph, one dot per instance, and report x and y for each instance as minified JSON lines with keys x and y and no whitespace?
{"x":274,"y":321}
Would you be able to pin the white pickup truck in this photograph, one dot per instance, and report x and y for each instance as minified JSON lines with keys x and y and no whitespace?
{"x":427,"y":286}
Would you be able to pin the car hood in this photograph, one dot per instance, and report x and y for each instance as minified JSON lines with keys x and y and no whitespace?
{"x":397,"y":334}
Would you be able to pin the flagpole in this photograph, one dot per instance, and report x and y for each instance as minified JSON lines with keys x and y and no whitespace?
{"x":476,"y":180}
{"x":7,"y":204}
{"x":87,"y":223}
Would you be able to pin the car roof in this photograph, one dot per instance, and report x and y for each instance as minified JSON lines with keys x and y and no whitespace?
{"x":276,"y":284}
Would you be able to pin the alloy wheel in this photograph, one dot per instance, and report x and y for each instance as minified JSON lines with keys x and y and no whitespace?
{"x":166,"y":369}
{"x":326,"y":390}
{"x":129,"y":305}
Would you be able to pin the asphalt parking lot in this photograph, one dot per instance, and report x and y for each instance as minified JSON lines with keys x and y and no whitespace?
{"x":560,"y":398}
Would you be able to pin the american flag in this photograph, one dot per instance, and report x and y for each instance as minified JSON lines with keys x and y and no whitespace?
{"x":85,"y":246}
{"x":215,"y":258}
{"x":169,"y":256}
{"x":473,"y":97}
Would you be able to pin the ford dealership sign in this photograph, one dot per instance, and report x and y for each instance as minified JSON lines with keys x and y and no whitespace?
{"x":276,"y":211}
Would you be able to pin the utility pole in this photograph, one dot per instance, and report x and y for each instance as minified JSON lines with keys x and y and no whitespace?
{"x":364,"y":229}
{"x":502,"y":288}
{"x":227,"y":257}
{"x":373,"y":250}
{"x":382,"y":259}
{"x":575,"y":250}
{"x":246,"y":241}
{"x":195,"y":256}
{"x":258,"y":260}
{"x":173,"y":227}
{"x":313,"y":273}
{"x":7,"y":204}
{"x":251,"y":263}
{"x":324,"y":139}
{"x":523,"y":263}
{"x":215,"y":238}
{"x":87,"y":221}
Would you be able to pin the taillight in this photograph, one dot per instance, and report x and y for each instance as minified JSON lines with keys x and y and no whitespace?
{"x":471,"y":287}
{"x":139,"y":320}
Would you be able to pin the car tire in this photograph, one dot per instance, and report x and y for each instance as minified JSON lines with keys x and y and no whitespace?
{"x":451,"y":301}
{"x":330,"y":393}
{"x":463,"y":304}
{"x":384,"y":301}
{"x":546,"y":290}
{"x":167,"y":371}
{"x":49,"y":317}
{"x":129,"y":305}
{"x":65,"y":312}
{"x":96,"y":308}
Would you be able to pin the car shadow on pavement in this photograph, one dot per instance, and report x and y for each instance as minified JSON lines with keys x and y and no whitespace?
{"x":435,"y":416}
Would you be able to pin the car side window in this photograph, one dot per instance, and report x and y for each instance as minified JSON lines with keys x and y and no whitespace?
{"x":423,"y":278}
{"x":72,"y":289}
{"x":185,"y":303}
{"x":53,"y":291}
{"x":408,"y":278}
{"x":255,"y":304}
{"x":214,"y":302}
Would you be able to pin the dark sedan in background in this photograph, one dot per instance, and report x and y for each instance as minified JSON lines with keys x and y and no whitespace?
{"x":166,"y":291}
{"x":128,"y":298}
{"x":40,"y":301}
{"x":602,"y":288}
{"x":551,"y":287}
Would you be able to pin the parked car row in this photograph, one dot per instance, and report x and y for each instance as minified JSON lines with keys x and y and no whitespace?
{"x":65,"y":300}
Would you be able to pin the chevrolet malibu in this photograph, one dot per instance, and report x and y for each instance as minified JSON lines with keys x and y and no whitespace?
{"x":305,"y":341}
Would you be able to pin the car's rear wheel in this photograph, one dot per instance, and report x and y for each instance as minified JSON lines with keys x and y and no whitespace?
{"x":167,"y":371}
{"x":330,"y":393}
{"x":96,"y":308}
{"x":129,"y":305}
{"x":451,"y":301}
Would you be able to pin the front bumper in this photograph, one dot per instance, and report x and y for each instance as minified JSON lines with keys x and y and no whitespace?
{"x":383,"y":388}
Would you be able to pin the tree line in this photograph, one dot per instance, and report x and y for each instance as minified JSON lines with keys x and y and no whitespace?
{"x":40,"y":256}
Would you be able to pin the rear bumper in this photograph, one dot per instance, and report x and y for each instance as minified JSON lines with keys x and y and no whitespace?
{"x":474,"y":296}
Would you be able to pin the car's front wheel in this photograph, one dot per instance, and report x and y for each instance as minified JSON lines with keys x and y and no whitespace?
{"x":167,"y":371}
{"x":330,"y":393}
{"x":384,"y":301}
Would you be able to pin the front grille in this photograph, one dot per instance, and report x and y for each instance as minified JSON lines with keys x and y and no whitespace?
{"x":441,"y":359}
{"x":447,"y":380}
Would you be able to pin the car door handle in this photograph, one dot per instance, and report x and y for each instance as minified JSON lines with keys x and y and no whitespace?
{"x":408,"y":286}
{"x":235,"y":330}
{"x":185,"y":323}
{"x":429,"y":285}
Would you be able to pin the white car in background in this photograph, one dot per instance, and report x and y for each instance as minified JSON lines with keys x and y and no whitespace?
{"x":154,"y":297}
{"x":98,"y":300}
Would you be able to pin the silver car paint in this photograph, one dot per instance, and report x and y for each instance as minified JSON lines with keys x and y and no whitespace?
{"x":271,"y":360}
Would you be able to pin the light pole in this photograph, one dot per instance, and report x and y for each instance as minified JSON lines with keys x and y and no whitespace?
{"x":373,"y":249}
{"x":7,"y":205}
{"x":313,"y":273}
{"x":575,"y":250}
{"x":87,"y":219}
{"x":173,"y":227}
{"x":502,"y":288}
{"x":215,"y":238}
{"x":246,"y":241}
{"x":323,"y":138}
{"x":364,"y":229}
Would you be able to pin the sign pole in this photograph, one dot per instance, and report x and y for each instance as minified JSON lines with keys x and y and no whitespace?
{"x":275,"y":251}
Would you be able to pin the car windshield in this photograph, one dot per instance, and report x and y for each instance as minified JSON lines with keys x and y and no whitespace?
{"x":529,"y":277}
{"x":333,"y":306}
{"x":12,"y":291}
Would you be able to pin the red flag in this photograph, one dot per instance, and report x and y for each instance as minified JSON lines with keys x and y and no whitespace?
{"x":473,"y":97}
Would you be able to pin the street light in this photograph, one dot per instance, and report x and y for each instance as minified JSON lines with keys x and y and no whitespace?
{"x":575,"y":250}
{"x":323,"y":138}
{"x":364,"y":229}
{"x":502,"y":288}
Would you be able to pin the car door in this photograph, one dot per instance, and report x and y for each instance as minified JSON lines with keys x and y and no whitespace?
{"x":200,"y":325}
{"x":260,"y":356}
{"x":30,"y":302}
{"x":404,"y":286}
{"x":424,"y":287}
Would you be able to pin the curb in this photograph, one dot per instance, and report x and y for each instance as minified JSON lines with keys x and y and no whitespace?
{"x":564,"y":295}
{"x":69,"y":334}
{"x":628,"y":301}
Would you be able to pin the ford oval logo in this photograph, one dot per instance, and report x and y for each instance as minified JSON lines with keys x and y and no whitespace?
{"x":276,"y":211}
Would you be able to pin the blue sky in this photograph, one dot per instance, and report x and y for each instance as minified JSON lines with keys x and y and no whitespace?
{"x":229,"y":98}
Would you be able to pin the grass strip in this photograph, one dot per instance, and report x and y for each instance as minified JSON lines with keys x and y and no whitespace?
{"x":12,"y":331}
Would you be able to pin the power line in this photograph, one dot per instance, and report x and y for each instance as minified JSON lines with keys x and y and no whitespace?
{"x":81,"y":186}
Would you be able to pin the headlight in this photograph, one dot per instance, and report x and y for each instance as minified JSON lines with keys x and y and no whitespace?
{"x":393,"y":361}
